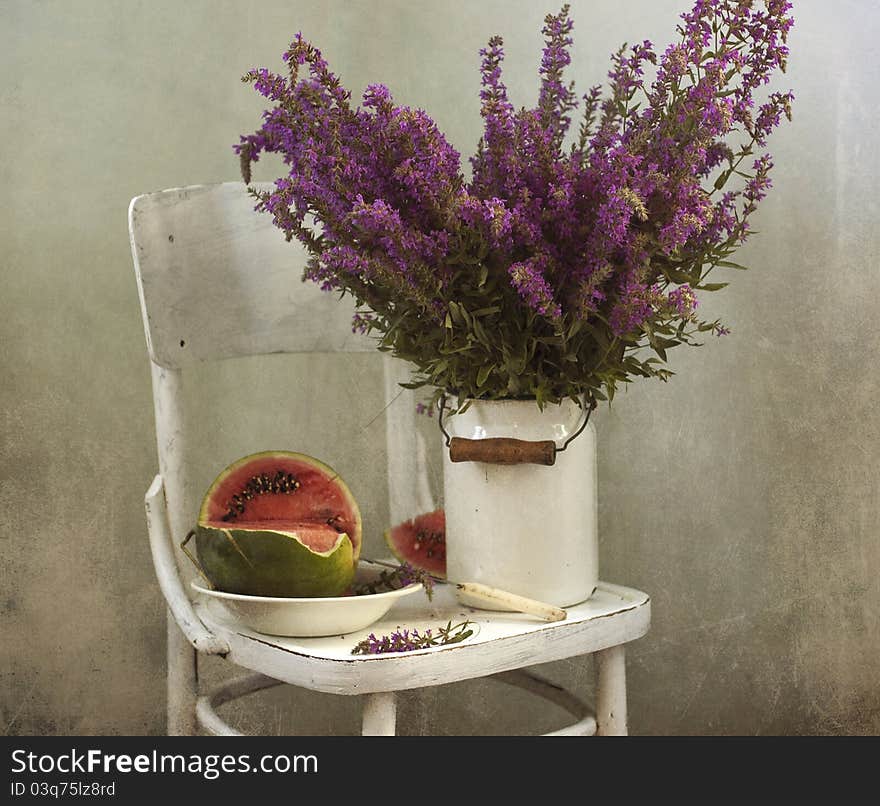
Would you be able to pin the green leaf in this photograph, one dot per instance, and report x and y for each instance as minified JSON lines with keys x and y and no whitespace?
{"x":575,"y":328}
{"x":677,"y":275}
{"x":486,"y":311}
{"x":729,"y":264}
{"x":483,"y":374}
{"x":480,"y":333}
{"x":712,"y":286}
{"x":722,"y":180}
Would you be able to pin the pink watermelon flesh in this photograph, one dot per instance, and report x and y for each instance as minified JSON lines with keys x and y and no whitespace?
{"x":421,"y":541}
{"x":317,"y":536}
{"x":284,"y":491}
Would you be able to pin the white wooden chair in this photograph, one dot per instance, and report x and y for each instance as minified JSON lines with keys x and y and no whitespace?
{"x":191,"y":247}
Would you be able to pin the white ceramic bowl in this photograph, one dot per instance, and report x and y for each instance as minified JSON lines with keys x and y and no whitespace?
{"x":313,"y":616}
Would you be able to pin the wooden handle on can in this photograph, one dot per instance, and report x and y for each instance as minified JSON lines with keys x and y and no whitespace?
{"x":502,"y":451}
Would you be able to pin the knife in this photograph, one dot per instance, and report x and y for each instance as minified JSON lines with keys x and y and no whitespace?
{"x":496,"y":596}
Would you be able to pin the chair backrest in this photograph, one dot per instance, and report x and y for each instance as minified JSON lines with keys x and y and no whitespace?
{"x":218,"y":280}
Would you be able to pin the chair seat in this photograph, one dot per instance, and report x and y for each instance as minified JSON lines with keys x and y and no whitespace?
{"x":501,"y":642}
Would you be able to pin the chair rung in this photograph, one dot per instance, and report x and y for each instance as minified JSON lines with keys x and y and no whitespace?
{"x":207,"y":716}
{"x":531,"y":682}
{"x":210,"y":721}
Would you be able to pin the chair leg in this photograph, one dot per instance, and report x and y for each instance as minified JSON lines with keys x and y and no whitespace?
{"x":182,"y":681}
{"x":380,"y":714}
{"x":611,"y":692}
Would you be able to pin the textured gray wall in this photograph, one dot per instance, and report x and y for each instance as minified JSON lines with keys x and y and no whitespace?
{"x":742,"y":495}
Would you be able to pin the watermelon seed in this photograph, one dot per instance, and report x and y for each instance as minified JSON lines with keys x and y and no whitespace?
{"x":332,"y":521}
{"x":281,"y":482}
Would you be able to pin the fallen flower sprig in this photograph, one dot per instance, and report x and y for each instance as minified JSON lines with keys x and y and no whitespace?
{"x":409,"y":640}
{"x":396,"y":578}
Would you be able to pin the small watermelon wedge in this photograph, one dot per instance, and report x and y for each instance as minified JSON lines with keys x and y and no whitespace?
{"x":421,"y":542}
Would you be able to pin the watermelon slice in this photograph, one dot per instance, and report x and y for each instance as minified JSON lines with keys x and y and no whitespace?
{"x":421,"y":542}
{"x":281,"y":524}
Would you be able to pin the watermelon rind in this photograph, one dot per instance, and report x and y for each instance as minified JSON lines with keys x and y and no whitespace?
{"x":267,"y":562}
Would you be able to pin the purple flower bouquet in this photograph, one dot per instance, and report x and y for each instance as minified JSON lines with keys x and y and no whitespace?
{"x":570,"y":261}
